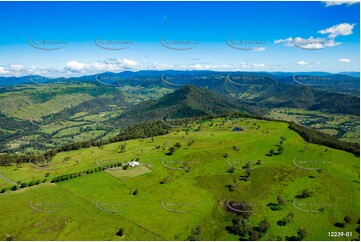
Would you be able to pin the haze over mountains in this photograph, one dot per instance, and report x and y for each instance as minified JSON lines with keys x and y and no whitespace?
{"x":310,"y":90}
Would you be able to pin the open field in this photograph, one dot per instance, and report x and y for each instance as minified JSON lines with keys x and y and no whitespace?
{"x":177,"y":193}
{"x":344,"y":127}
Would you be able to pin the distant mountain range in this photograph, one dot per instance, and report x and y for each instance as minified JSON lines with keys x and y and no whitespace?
{"x":333,"y":93}
{"x":280,"y":76}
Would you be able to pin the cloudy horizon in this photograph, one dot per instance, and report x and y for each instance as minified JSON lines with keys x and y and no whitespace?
{"x":308,"y":37}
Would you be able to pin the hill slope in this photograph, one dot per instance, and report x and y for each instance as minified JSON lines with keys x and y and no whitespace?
{"x":188,"y":101}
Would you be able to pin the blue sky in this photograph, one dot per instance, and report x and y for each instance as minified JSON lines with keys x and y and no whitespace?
{"x":262,"y":36}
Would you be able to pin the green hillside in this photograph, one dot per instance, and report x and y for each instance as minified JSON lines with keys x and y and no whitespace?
{"x":222,"y":179}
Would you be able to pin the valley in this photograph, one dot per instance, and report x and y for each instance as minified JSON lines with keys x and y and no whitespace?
{"x":38,"y":117}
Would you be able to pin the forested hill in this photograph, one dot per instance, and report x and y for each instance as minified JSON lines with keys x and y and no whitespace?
{"x":188,"y":101}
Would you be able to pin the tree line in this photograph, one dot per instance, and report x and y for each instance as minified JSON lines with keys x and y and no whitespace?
{"x":316,"y":137}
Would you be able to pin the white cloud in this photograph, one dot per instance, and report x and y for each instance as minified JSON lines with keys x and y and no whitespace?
{"x":112,"y":64}
{"x":259,"y":49}
{"x":258,"y":65}
{"x":74,"y":66}
{"x":3,"y":71}
{"x":16,"y":70}
{"x":344,"y":60}
{"x":312,"y":43}
{"x":288,"y":41}
{"x":337,"y":3}
{"x":243,"y":64}
{"x":337,"y":30}
{"x":302,"y":63}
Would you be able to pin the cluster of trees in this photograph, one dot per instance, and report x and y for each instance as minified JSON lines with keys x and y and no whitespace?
{"x":234,"y":186}
{"x":346,"y":220}
{"x":315,"y":137}
{"x":173,"y":148}
{"x":195,"y":234}
{"x":246,"y":231}
{"x":281,"y":203}
{"x":89,"y":171}
{"x":75,"y":174}
{"x":301,"y":234}
{"x":305,"y":193}
{"x":23,"y":185}
{"x":122,"y":148}
{"x":289,"y":218}
{"x":280,"y":148}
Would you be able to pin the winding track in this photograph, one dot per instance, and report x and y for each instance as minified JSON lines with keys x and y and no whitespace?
{"x":4,"y":177}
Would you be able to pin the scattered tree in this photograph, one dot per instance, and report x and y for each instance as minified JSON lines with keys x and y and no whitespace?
{"x":347,"y":219}
{"x":281,"y":201}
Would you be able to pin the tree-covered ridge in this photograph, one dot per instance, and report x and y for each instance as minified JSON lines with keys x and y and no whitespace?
{"x":315,"y":137}
{"x":188,"y":101}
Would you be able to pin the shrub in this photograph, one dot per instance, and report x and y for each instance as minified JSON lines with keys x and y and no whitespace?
{"x":347,"y":219}
{"x":281,"y":201}
{"x":274,"y":206}
{"x":339,"y":225}
{"x":120,"y":232}
{"x":305,"y":193}
{"x":24,"y":184}
{"x":302,"y":233}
